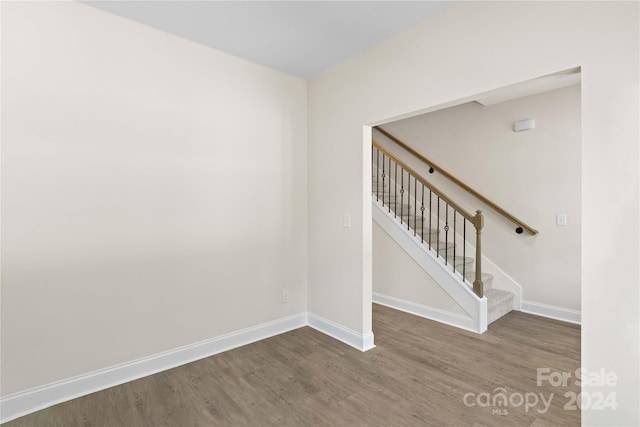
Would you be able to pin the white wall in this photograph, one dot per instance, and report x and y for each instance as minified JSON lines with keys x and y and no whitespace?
{"x":153,"y":192}
{"x":466,"y":50}
{"x":534,"y":175}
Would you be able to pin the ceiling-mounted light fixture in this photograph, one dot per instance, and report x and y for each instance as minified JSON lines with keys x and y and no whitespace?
{"x":523,"y":125}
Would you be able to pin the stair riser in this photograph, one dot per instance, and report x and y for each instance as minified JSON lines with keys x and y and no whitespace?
{"x":498,"y":305}
{"x":487,"y":279}
{"x":468,"y":264}
{"x":409,"y":214}
{"x":397,"y":199}
{"x":442,"y":249}
{"x":398,"y":207}
{"x":423,"y":227}
{"x":418,"y":224}
{"x":459,"y":265}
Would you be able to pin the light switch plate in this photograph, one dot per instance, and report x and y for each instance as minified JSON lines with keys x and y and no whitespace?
{"x":346,"y":222}
{"x":561,"y":220}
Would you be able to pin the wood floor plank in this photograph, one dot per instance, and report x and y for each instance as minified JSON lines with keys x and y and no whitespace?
{"x":418,"y":375}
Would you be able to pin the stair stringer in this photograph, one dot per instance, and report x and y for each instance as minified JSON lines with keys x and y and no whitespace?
{"x":450,"y":282}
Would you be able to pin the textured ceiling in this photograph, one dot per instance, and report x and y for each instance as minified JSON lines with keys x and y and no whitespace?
{"x":302,"y":38}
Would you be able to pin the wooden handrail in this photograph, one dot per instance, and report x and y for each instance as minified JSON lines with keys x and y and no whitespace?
{"x":461,"y":184}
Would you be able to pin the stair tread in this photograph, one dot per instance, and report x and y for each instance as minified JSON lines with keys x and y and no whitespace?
{"x":459,"y":261}
{"x":460,"y":258}
{"x":441,"y":246}
{"x":471,"y":275}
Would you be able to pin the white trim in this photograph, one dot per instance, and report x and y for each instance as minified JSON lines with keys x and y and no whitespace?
{"x":446,"y":317}
{"x":362,"y":342}
{"x":552,"y":312}
{"x":26,"y":402}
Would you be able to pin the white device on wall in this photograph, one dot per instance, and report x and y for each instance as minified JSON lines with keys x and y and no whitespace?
{"x":523,"y":125}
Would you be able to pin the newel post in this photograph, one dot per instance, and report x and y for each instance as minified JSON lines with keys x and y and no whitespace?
{"x":478,"y":286}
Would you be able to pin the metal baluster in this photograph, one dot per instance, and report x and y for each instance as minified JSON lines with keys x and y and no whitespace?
{"x":454,"y":240}
{"x":383,"y":176}
{"x":422,"y":215}
{"x":430,"y":211}
{"x":401,"y":192}
{"x":464,"y":249}
{"x":415,"y":205}
{"x":438,"y":228}
{"x":446,"y":234}
{"x":395,"y":192}
{"x":389,"y":171}
{"x":408,"y":198}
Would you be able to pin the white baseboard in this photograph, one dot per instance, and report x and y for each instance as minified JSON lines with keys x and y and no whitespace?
{"x":448,"y":318}
{"x":552,"y":312}
{"x":362,"y":342}
{"x":26,"y":402}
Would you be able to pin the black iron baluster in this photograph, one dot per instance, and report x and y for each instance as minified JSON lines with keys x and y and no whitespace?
{"x":408,"y":198}
{"x":422,"y":215}
{"x":415,"y":205}
{"x":446,"y":234}
{"x":395,"y":192}
{"x":464,"y":249}
{"x":438,"y":228}
{"x":389,"y":171}
{"x":454,"y":240}
{"x":401,"y":192}
{"x":383,"y":176}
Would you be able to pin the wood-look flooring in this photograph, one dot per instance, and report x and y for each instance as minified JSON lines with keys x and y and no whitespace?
{"x":417,"y":375}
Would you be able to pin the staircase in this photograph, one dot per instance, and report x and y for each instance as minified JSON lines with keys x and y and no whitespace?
{"x":421,"y":218}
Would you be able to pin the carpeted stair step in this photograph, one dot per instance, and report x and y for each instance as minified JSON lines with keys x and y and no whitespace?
{"x":424,"y":234}
{"x":442,"y":248}
{"x":417,"y":213}
{"x":499,"y":303}
{"x":392,"y":199}
{"x":459,"y":261}
{"x":396,"y":206}
{"x":403,"y":205}
{"x":418,"y":224}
